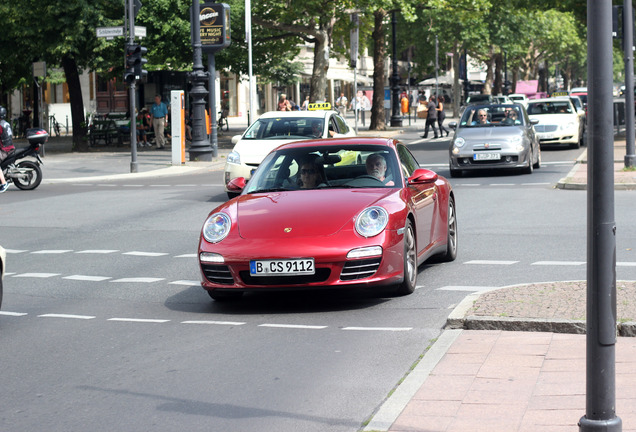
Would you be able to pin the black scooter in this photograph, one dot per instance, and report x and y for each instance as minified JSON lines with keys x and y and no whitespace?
{"x":25,"y":173}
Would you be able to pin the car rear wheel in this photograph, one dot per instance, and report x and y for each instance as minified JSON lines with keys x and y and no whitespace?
{"x":221,"y":296}
{"x":451,"y":236}
{"x":410,"y":261}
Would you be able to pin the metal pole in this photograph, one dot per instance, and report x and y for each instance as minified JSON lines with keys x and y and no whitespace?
{"x":396,"y":118}
{"x":436,"y":67}
{"x":214,"y":137}
{"x":200,"y":149}
{"x":134,"y":166}
{"x":628,"y":47}
{"x":600,"y":406}
{"x":248,"y":35}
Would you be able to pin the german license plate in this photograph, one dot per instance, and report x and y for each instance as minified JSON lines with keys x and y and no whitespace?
{"x":486,"y":156}
{"x":289,"y":267}
{"x":546,"y":136}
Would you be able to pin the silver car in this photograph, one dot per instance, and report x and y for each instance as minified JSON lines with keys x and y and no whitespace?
{"x":494,"y":136}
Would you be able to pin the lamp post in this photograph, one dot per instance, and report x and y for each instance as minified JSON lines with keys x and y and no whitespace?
{"x":200,"y":148}
{"x":396,"y":118}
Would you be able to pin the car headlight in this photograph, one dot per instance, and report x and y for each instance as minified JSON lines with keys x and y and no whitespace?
{"x":234,"y":157}
{"x":459,"y":142}
{"x":568,"y":125}
{"x":371,"y":221}
{"x":217,"y":227}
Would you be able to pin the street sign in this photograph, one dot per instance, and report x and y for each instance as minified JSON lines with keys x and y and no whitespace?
{"x":140,"y":31}
{"x":109,"y":32}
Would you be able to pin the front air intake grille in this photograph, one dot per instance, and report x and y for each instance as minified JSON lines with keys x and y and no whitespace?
{"x":218,"y":274}
{"x":360,"y":269}
{"x":322,"y":274}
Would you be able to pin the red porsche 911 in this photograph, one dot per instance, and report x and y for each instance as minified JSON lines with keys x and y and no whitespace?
{"x":329,"y":213}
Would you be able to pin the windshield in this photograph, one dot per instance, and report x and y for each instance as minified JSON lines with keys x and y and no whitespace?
{"x":500,"y":115}
{"x":324,"y":167}
{"x":292,"y":128}
{"x":552,"y":107}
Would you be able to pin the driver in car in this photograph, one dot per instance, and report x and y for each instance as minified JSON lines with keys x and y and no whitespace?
{"x":376,"y":167}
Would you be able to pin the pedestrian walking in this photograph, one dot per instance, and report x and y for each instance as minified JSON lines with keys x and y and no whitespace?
{"x":360,"y":104}
{"x":159,"y":120}
{"x":341,"y":104}
{"x":431,"y":117}
{"x":441,"y":115}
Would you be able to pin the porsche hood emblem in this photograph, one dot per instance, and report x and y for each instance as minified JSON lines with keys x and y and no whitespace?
{"x":287,"y":230}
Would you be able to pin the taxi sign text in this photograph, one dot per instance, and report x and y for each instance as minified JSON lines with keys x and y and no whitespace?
{"x":319,"y":106}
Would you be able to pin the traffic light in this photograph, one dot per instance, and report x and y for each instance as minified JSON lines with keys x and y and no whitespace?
{"x":129,"y":74}
{"x":135,"y":62}
{"x":140,"y":61}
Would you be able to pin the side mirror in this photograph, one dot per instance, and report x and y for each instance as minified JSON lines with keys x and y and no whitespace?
{"x":236,"y":138}
{"x":422,"y":176}
{"x":236,"y":185}
{"x":452,"y":125}
{"x":534,"y":121}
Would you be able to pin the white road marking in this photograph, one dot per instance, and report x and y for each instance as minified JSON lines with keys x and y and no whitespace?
{"x":469,"y":184}
{"x":138,"y":320}
{"x":36,"y":275}
{"x":97,"y":251}
{"x":185,"y":282}
{"x":53,"y":251}
{"x":146,"y":254}
{"x":83,"y":184}
{"x":14,"y":251}
{"x":17,"y":314}
{"x":106,"y":185}
{"x":83,"y":317}
{"x":230,"y":323}
{"x":87,"y":278}
{"x":491,"y":262}
{"x":133,"y":185}
{"x":626,"y":264}
{"x":138,"y":280}
{"x":465,"y":288}
{"x":559,"y":263}
{"x":501,"y":184}
{"x":187,"y":256}
{"x":9,"y":274}
{"x":293,"y":326}
{"x":160,"y":185}
{"x":379,"y":328}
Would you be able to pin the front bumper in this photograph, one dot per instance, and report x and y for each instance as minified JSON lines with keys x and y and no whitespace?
{"x":332,"y":267}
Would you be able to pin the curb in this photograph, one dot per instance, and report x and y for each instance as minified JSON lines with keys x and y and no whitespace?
{"x":458,"y":319}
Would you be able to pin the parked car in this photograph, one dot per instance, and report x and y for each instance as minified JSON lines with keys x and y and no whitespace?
{"x":480,"y":98}
{"x":494,"y":137}
{"x":278,"y":127}
{"x":559,"y":122}
{"x":3,"y":261}
{"x":519,"y":98}
{"x":502,"y":99}
{"x":312,"y":216}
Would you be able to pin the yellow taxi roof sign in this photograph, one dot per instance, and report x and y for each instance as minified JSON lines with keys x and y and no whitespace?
{"x":560,"y":93}
{"x":319,"y":106}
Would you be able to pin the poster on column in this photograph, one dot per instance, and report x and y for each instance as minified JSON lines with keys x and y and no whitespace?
{"x":214,"y":21}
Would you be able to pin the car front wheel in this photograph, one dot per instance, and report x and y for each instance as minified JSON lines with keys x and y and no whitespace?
{"x":410,"y":261}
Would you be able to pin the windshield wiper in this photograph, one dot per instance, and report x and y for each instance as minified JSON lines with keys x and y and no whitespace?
{"x":277,"y":189}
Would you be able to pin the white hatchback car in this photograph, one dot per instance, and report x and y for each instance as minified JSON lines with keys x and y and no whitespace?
{"x":279,"y":127}
{"x":559,"y":121}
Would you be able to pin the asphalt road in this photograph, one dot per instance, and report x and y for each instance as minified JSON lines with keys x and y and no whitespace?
{"x":104,"y":326}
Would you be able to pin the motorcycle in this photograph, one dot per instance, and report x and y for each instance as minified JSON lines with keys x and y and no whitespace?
{"x":25,"y":173}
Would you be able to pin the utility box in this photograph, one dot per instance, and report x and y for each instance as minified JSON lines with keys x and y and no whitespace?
{"x":177,"y":126}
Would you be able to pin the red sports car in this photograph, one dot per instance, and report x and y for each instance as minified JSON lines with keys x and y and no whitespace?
{"x":329,"y":213}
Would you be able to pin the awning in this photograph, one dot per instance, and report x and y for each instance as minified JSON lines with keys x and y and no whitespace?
{"x":446,"y":79}
{"x":347,"y":76}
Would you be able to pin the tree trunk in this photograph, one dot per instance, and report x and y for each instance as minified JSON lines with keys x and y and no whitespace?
{"x":378,"y":121}
{"x":320,"y":67}
{"x":80,"y":139}
{"x":490,"y":69}
{"x":498,"y":84}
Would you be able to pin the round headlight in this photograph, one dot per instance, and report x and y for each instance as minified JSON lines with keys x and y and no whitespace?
{"x":371,"y":221}
{"x":216,"y":227}
{"x":234,"y":158}
{"x":459,"y":142}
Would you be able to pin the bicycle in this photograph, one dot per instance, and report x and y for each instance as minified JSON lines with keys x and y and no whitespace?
{"x":222,"y":122}
{"x":56,"y":126}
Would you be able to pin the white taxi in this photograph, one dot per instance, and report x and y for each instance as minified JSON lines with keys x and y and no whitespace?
{"x":279,"y":127}
{"x":559,"y":121}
